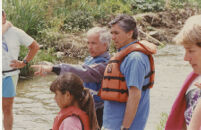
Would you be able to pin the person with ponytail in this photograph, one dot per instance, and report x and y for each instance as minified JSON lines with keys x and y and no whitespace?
{"x":76,"y":104}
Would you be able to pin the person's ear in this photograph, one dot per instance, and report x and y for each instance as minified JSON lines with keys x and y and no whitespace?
{"x":68,"y":93}
{"x":130,"y":34}
{"x":105,"y":45}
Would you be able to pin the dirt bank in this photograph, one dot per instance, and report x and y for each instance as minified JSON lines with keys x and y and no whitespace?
{"x":159,"y":28}
{"x":163,"y":26}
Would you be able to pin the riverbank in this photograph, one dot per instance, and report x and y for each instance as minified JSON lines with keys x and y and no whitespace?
{"x":35,"y":107}
{"x":159,"y":28}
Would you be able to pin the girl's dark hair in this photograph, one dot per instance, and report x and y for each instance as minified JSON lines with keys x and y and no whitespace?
{"x":198,"y":44}
{"x":126,"y":23}
{"x":74,"y":85}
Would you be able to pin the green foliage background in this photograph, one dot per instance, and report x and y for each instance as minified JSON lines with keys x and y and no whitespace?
{"x":48,"y":20}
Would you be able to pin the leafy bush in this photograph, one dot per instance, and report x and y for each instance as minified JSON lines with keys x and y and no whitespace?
{"x":78,"y":20}
{"x":26,"y":14}
{"x":26,"y":70}
{"x":101,"y":14}
{"x":42,"y":55}
{"x":147,"y":5}
{"x":163,"y":119}
{"x":117,"y":6}
{"x":45,"y":55}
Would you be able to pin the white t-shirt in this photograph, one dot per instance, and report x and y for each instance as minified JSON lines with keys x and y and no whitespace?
{"x":11,"y":41}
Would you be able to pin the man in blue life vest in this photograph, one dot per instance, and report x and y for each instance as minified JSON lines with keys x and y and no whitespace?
{"x":126,"y":83}
{"x":91,"y":71}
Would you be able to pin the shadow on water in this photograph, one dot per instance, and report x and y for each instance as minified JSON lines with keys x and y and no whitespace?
{"x":35,"y":108}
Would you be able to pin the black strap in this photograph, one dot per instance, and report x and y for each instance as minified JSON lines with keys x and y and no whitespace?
{"x":112,"y":77}
{"x":113,"y":61}
{"x":115,"y":90}
{"x":6,"y":71}
{"x":56,"y":70}
{"x":149,"y":74}
{"x":147,"y":86}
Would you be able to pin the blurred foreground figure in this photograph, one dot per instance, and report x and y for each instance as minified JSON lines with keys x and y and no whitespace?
{"x":186,"y":102}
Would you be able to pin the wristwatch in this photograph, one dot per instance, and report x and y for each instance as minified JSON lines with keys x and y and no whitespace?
{"x":123,"y":128}
{"x":25,"y":62}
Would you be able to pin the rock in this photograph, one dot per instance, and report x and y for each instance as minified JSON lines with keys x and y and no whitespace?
{"x":60,"y":54}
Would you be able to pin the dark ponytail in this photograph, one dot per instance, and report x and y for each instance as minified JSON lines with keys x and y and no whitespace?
{"x":87,"y":105}
{"x":73,"y":84}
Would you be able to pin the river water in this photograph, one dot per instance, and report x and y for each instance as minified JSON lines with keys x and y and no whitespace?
{"x":35,"y":108}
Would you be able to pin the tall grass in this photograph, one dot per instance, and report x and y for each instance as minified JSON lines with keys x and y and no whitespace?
{"x":28,"y":15}
{"x":34,"y":16}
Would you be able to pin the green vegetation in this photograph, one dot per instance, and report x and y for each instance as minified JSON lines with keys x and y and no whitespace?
{"x":42,"y":55}
{"x":163,"y":119}
{"x":48,"y":20}
{"x":39,"y":17}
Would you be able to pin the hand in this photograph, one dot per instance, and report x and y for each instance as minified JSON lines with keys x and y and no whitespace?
{"x":42,"y":70}
{"x":198,"y":84}
{"x":16,"y":64}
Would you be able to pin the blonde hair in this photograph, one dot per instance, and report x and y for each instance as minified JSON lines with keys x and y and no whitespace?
{"x":191,"y":32}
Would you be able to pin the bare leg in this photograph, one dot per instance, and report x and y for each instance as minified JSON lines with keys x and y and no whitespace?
{"x":7,"y":104}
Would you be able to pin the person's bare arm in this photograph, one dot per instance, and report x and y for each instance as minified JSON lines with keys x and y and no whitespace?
{"x":33,"y":48}
{"x":131,"y":106}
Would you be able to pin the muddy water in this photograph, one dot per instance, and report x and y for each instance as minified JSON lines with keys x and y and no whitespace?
{"x":35,"y":109}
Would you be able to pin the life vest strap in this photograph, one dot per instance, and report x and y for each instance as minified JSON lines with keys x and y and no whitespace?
{"x":147,"y":86}
{"x":112,"y":77}
{"x":115,"y":90}
{"x":113,"y":61}
{"x":149,"y":74}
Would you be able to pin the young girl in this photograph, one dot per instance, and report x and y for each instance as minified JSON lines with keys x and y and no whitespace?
{"x":76,"y":104}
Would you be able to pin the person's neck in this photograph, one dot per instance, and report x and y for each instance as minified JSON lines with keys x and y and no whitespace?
{"x":129,"y":41}
{"x":100,"y":54}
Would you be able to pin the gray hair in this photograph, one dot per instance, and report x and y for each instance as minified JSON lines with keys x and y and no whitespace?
{"x":104,"y":34}
{"x":126,"y":23}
